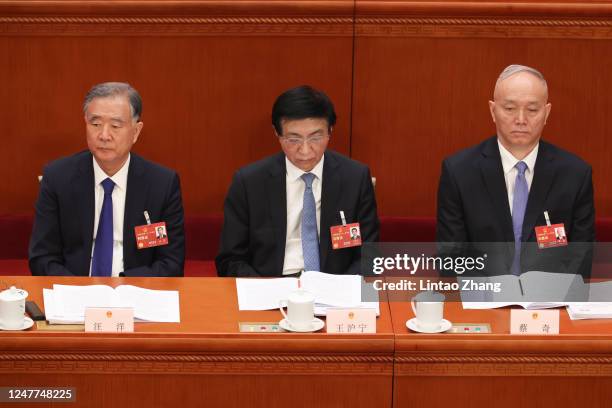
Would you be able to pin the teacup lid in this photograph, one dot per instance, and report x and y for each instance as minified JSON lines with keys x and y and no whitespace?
{"x":300,"y":296}
{"x":429,"y":296}
{"x":12,"y":294}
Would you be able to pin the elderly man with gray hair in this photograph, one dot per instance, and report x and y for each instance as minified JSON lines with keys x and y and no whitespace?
{"x":97,"y":210}
{"x":506,"y":187}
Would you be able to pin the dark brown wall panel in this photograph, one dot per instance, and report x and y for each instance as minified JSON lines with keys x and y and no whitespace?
{"x":208,"y":84}
{"x":423,"y":79}
{"x":417,"y":76}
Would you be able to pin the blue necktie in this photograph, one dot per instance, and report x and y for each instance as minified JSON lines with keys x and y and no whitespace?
{"x":310,"y":238}
{"x":519,"y":205}
{"x":102,"y":264}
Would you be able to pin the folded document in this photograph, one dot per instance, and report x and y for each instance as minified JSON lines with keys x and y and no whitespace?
{"x":590,"y":310}
{"x":66,"y":304}
{"x":599,"y":305}
{"x":531,"y":290}
{"x":329,"y":291}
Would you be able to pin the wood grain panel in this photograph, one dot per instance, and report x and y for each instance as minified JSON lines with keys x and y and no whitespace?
{"x":568,"y":370}
{"x":422,"y":84}
{"x":502,"y":392}
{"x":412,"y":89}
{"x":204,"y":360}
{"x":230,"y":390}
{"x":207,"y":85}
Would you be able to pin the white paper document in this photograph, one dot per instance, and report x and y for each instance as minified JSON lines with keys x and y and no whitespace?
{"x":329,"y":291}
{"x":589,"y":310}
{"x":531,"y":290}
{"x":66,"y":304}
{"x":599,"y":305}
{"x":263,"y":294}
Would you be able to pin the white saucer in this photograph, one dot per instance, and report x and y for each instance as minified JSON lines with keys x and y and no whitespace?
{"x":27,"y":323}
{"x":317,"y":324}
{"x":444,"y":326}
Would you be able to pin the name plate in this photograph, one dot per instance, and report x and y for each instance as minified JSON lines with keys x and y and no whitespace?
{"x":109,"y":319}
{"x":351,"y":321}
{"x":534,"y":321}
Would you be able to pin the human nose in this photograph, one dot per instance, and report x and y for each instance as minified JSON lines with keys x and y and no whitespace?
{"x":521,"y":117}
{"x":304,"y":147}
{"x":105,"y":133}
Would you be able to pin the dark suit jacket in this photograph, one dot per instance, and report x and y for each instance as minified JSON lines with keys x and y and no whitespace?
{"x":62,"y":237}
{"x":255,"y":226}
{"x":473,"y":201}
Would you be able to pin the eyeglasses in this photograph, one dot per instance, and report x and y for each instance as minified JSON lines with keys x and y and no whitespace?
{"x":298,"y":141}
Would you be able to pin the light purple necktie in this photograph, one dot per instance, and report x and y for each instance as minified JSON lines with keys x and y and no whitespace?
{"x":519,"y":205}
{"x":310,"y":237}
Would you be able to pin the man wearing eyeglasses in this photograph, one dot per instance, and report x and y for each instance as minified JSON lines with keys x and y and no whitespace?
{"x":278,"y":211}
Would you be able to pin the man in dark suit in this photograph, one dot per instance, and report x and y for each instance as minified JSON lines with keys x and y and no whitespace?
{"x":278,"y":211}
{"x":90,"y":203}
{"x":499,"y":190}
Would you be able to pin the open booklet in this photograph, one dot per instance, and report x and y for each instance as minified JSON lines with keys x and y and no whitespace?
{"x":328,"y":290}
{"x":531,"y":290}
{"x":66,"y":304}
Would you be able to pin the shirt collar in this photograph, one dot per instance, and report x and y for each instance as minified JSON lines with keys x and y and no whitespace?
{"x":509,"y":161}
{"x":119,"y":178}
{"x":294,"y":173}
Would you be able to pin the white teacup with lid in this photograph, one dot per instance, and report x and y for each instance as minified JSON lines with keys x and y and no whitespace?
{"x":12,"y":308}
{"x":300,"y":310}
{"x":428,"y":308}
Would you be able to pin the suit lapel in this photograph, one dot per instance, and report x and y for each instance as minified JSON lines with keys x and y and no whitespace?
{"x":135,"y":205}
{"x":543,"y":177}
{"x":83,"y":190}
{"x":276,"y":190}
{"x":493,"y":175}
{"x":331,"y":191}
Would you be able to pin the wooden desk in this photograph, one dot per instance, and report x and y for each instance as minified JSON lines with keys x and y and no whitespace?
{"x":204,"y":361}
{"x":573,"y":369}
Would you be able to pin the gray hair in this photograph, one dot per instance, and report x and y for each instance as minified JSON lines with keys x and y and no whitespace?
{"x":516,"y":68}
{"x":107,"y":89}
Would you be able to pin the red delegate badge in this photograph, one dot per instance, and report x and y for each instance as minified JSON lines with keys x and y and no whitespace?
{"x":345,"y":236}
{"x":549,"y":236}
{"x":151,"y":235}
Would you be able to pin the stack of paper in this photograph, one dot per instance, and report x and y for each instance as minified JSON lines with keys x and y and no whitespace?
{"x":531,"y":290}
{"x":66,"y":304}
{"x":524,"y":305}
{"x":590,"y":310}
{"x":600,"y":292}
{"x":328,"y":290}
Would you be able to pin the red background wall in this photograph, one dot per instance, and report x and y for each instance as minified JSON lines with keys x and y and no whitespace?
{"x":410,"y":81}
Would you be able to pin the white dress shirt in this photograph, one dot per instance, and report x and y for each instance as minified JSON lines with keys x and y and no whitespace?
{"x":119,"y":192}
{"x":294,"y":256}
{"x":510,"y":172}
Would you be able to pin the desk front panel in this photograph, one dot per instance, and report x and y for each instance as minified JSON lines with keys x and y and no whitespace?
{"x":204,"y":360}
{"x":499,"y":369}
